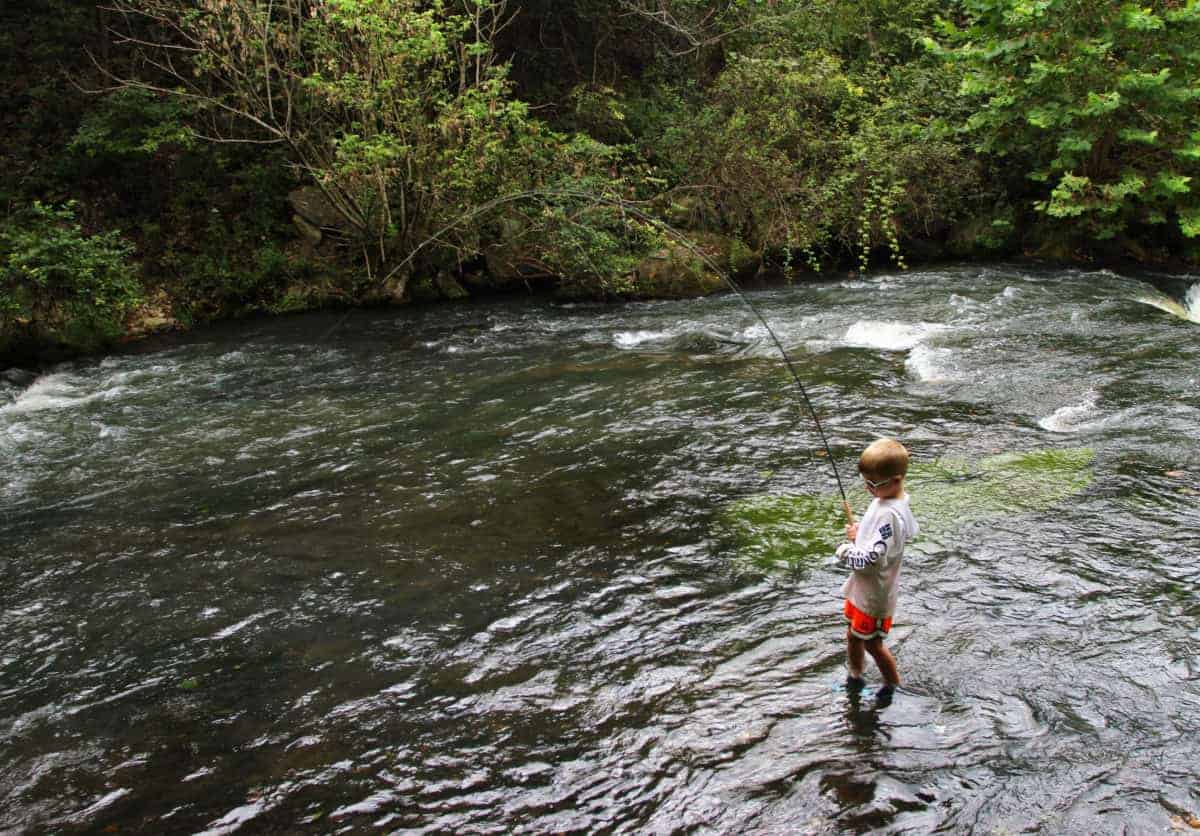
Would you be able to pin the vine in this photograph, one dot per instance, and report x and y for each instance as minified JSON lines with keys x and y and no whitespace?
{"x":879,"y":208}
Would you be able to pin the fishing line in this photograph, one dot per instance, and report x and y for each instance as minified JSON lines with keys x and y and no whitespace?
{"x":626,"y":208}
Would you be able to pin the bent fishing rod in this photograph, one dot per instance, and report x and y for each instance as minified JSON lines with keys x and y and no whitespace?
{"x":629,"y":209}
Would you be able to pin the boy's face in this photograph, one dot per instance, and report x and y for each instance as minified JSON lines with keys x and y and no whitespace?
{"x":883,"y":487}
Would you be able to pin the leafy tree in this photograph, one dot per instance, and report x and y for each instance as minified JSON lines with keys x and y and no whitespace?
{"x":799,"y":154}
{"x":396,"y":109}
{"x":1096,"y":103}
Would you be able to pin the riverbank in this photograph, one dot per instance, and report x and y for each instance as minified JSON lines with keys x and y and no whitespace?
{"x":155,"y":323}
{"x":552,"y":149}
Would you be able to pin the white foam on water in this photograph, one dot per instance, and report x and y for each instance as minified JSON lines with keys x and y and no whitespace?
{"x":890,"y":336}
{"x":1191,"y":302}
{"x":98,"y":806}
{"x":757,"y":331}
{"x":1188,"y":310}
{"x":632,"y":339}
{"x":235,"y":818}
{"x":372,"y":804}
{"x":52,"y":391}
{"x":931,"y":365}
{"x":1009,"y":292}
{"x":21,"y":434}
{"x":241,"y":625}
{"x":1073,"y":417}
{"x":62,"y":390}
{"x":115,"y":433}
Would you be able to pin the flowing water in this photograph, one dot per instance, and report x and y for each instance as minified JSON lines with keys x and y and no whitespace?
{"x":527,"y":567}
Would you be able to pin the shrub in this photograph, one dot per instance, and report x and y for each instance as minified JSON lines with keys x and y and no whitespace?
{"x":61,"y":285}
{"x":1095,"y":103}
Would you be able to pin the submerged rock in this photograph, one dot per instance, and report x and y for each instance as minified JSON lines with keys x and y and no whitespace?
{"x":793,"y":531}
{"x":788,"y":531}
{"x":18,"y":378}
{"x":956,"y":491}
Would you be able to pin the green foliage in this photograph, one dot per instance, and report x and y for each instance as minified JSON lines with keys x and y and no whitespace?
{"x":133,"y":123}
{"x":802,"y":153}
{"x":809,"y":132}
{"x":60,"y":284}
{"x":1095,"y":102}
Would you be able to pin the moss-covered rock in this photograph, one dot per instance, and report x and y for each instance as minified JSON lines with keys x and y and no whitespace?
{"x":678,"y":271}
{"x":783,"y":532}
{"x":789,"y":532}
{"x":954,"y":491}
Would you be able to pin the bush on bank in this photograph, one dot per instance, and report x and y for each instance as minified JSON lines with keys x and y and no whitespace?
{"x":806,"y":134}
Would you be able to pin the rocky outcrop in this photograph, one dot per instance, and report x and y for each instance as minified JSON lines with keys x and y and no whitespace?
{"x":314,"y":213}
{"x":512,"y":265}
{"x":442,"y":286}
{"x":392,"y":291}
{"x":678,"y":270}
{"x":449,"y":287}
{"x":153,"y":316}
{"x":311,"y":232}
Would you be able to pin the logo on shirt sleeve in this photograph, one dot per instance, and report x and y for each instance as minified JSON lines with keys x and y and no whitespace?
{"x":885,"y":531}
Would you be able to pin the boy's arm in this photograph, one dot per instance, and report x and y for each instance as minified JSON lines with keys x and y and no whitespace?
{"x":881,"y":543}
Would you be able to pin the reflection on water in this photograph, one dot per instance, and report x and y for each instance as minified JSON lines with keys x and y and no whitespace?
{"x":472,"y":570}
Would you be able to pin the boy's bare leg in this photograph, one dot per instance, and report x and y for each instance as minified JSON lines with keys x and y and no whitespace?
{"x":855,"y":656}
{"x":883,"y":658}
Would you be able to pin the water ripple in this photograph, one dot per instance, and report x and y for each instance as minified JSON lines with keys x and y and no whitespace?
{"x":465,"y":570}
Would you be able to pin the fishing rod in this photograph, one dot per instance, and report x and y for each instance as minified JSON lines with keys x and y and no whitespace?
{"x":629,"y":209}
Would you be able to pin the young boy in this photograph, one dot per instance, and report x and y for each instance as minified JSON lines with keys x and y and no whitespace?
{"x":874,"y":556}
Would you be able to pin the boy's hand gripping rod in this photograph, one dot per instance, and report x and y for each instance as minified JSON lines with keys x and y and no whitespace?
{"x":626,"y":208}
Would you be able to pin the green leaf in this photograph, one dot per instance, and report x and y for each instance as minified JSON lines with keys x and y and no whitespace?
{"x":1075,"y":144}
{"x":1189,"y":222}
{"x":1043,"y":117}
{"x":1189,"y":14}
{"x":1172,"y":183}
{"x":1135,"y":135}
{"x":1139,"y":19}
{"x":1069,"y":198}
{"x":1144,"y":82}
{"x":1130,"y":184}
{"x":1191,"y":151}
{"x":1100,"y":104}
{"x":975,"y":84}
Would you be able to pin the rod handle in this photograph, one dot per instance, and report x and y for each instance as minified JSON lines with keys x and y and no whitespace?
{"x":849,"y":511}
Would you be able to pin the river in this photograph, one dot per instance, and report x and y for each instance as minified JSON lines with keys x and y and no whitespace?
{"x":531,"y":567}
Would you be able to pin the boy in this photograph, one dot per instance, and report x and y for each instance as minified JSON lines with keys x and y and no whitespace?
{"x":874,"y":556}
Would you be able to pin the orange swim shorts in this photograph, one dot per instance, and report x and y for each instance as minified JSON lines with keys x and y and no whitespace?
{"x":864,"y":626}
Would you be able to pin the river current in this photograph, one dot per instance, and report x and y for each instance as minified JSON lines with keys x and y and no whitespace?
{"x":525,"y":567}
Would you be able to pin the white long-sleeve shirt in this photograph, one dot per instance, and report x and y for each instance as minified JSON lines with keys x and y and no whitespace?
{"x":876,"y":554}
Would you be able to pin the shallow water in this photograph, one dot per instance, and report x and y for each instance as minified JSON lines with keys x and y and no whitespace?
{"x":468,"y":570}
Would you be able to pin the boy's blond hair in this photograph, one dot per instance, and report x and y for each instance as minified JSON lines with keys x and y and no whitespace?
{"x":886,"y":457}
